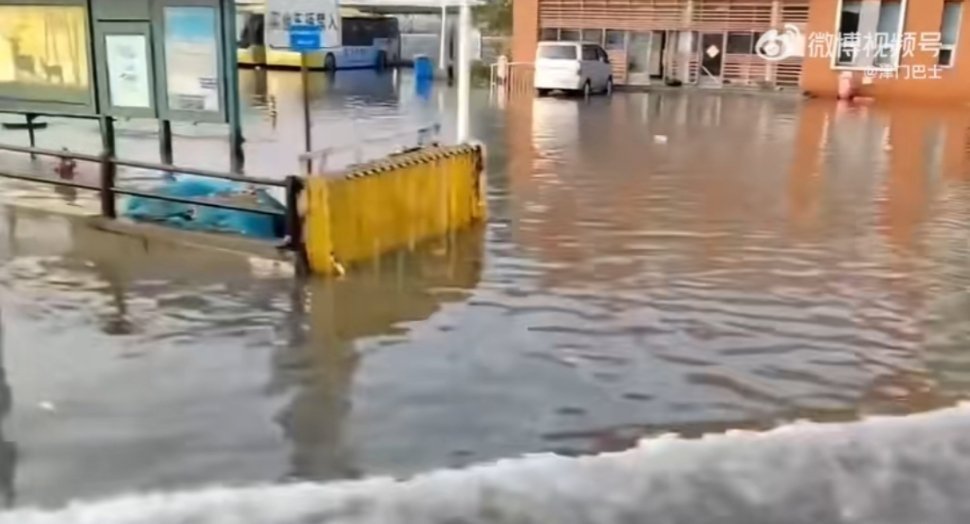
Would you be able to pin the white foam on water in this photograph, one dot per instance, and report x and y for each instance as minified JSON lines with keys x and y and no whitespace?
{"x":913,"y":470}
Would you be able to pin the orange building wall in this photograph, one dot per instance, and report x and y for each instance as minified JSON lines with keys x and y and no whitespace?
{"x":819,"y":78}
{"x":525,"y":30}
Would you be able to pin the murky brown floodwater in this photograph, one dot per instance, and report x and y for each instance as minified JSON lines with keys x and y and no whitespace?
{"x":772,"y":259}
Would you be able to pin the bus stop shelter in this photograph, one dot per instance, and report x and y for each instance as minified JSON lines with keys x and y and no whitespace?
{"x":168,"y":60}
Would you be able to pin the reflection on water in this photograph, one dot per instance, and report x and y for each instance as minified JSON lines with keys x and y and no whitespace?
{"x":345,"y":107}
{"x":652,"y":263}
{"x":194,"y":362}
{"x":8,"y":450}
{"x":787,"y":258}
{"x":321,"y":362}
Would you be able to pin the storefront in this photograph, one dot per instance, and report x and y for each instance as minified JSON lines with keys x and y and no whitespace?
{"x":885,"y":48}
{"x":706,"y":43}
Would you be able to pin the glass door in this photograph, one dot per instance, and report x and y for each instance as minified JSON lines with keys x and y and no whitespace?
{"x":638,"y":54}
{"x":712,"y":58}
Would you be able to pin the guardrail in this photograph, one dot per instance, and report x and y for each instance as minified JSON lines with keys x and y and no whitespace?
{"x":108,"y":189}
{"x":510,"y":76}
{"x":424,"y":135}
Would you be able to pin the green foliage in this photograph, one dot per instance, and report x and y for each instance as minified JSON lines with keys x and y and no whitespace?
{"x":495,"y":17}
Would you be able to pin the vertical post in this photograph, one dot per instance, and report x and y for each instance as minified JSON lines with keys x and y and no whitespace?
{"x":237,"y":158}
{"x":108,"y":167}
{"x":685,"y":46}
{"x":165,"y":142}
{"x":30,"y":132}
{"x":464,"y":70}
{"x":294,"y":224}
{"x":307,"y":138}
{"x":442,"y":51}
{"x":771,"y":67}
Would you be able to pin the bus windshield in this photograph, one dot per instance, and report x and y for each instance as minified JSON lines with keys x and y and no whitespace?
{"x":359,"y":31}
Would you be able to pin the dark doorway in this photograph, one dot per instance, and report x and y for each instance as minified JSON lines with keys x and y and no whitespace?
{"x":712,"y":55}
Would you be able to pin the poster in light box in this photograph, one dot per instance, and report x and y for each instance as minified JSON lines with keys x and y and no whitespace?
{"x":192,"y":59}
{"x":128,"y":82}
{"x":44,"y":54}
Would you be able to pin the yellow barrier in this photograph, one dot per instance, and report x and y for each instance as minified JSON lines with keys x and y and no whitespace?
{"x":390,"y":204}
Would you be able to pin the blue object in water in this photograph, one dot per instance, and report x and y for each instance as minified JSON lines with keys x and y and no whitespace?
{"x":423,"y":88}
{"x":205,"y":218}
{"x":423,"y":68}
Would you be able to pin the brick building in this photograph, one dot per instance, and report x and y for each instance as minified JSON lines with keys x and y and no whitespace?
{"x":711,"y":43}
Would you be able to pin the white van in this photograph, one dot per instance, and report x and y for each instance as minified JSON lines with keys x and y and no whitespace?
{"x":572,"y":66}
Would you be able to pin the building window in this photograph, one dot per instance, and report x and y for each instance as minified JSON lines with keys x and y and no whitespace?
{"x":888,"y":35}
{"x":549,"y":34}
{"x":569,"y":35}
{"x":740,"y":43}
{"x":848,"y":32}
{"x":949,"y":32}
{"x":869,"y":34}
{"x":602,"y":56}
{"x":615,"y":39}
{"x":593,"y":36}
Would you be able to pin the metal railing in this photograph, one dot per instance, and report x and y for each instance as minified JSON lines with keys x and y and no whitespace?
{"x":424,"y":135}
{"x":108,"y":188}
{"x":510,"y":76}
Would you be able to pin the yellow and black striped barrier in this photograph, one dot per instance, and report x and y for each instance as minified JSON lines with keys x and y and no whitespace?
{"x":391,"y":203}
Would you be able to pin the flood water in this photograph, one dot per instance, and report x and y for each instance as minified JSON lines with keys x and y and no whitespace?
{"x":664,"y":262}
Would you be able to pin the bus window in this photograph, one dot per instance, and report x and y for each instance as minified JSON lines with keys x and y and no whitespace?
{"x":347,"y":28}
{"x":366,"y":32}
{"x":388,"y":32}
{"x":355,"y":32}
{"x":388,"y":28}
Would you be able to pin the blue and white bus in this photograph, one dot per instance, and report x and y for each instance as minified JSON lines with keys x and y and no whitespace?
{"x":368,"y":41}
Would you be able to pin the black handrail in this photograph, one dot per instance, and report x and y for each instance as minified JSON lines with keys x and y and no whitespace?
{"x":199,"y":172}
{"x":51,"y":152}
{"x":51,"y":114}
{"x":48,"y":180}
{"x":108,"y":189}
{"x":145,"y":165}
{"x":201,"y":202}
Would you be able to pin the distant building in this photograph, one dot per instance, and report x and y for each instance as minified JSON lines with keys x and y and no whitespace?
{"x":707,"y":42}
{"x":931,"y":62}
{"x":714,"y":43}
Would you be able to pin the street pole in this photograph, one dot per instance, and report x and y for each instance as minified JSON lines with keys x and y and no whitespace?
{"x":442,"y":57}
{"x":237,"y":156}
{"x":305,"y":80}
{"x":464,"y":69}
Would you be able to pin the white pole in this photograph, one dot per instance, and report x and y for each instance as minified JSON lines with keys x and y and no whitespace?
{"x":442,"y":51}
{"x":464,"y":69}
